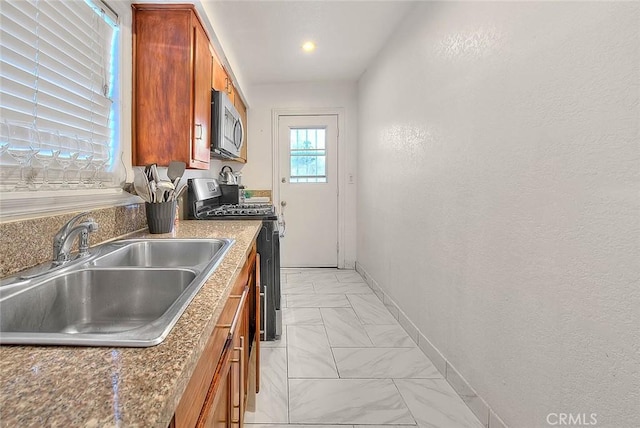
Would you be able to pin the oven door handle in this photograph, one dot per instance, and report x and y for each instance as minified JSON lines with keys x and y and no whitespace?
{"x":282,"y":223}
{"x":263,"y":311}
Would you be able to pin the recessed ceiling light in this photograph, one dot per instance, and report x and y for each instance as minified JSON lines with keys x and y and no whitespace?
{"x":308,"y":46}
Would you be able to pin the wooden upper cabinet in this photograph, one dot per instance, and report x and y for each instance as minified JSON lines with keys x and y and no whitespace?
{"x":171,"y":86}
{"x":202,"y":95}
{"x":220,"y":80}
{"x":219,"y":77}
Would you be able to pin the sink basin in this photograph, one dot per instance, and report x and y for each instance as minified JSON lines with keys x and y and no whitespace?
{"x":95,"y":301}
{"x":161,"y":253}
{"x":129,"y":293}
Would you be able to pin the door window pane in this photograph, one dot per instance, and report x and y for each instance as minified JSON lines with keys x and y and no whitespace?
{"x":308,"y":155}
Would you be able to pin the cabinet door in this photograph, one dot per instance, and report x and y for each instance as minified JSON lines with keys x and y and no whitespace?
{"x":220,"y":416}
{"x":162,"y":85}
{"x":171,"y":86}
{"x":216,"y":411}
{"x":218,"y":75}
{"x":221,"y":406}
{"x":202,"y":98}
{"x":238,"y":365}
{"x":257,"y":322}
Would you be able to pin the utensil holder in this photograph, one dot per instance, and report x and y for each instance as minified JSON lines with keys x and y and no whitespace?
{"x":160,"y":216}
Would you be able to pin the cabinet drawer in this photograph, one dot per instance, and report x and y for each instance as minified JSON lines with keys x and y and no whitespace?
{"x":194,"y":396}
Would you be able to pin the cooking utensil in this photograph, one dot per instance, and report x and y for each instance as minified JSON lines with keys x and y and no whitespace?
{"x":159,"y":194}
{"x":164,"y":190}
{"x":180,"y":191}
{"x":227,"y":177}
{"x":141,"y":185}
{"x":147,"y":172}
{"x":153,"y":191}
{"x":175,"y":171}
{"x":154,"y":172}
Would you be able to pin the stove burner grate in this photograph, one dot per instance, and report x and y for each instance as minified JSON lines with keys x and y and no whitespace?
{"x":242,"y":210}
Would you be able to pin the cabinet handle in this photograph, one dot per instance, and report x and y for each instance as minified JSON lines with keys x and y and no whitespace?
{"x":238,"y":314}
{"x":199,"y":135}
{"x":239,"y":361}
{"x":227,"y":85}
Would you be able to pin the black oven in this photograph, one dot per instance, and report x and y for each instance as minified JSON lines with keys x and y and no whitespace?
{"x":209,"y":201}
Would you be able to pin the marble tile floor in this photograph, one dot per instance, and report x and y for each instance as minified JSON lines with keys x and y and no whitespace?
{"x":344,"y":361}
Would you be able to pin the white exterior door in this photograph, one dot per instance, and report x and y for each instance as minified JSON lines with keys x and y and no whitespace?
{"x":308,"y":188}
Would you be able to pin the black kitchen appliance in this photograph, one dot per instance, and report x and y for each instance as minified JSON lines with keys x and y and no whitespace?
{"x":208,"y":200}
{"x":230,"y":194}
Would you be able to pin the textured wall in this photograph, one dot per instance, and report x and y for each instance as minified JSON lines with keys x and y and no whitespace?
{"x":505,"y":139}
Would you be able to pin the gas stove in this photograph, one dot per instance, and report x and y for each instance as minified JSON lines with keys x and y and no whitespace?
{"x":207,"y":201}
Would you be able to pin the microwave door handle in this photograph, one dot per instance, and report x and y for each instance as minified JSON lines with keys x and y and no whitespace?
{"x":240,"y":133}
{"x":238,"y":141}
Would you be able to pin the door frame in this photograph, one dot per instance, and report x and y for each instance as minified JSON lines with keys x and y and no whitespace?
{"x":341,"y":156}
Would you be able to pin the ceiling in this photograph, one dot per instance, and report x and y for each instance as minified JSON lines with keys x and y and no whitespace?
{"x":262,"y":39}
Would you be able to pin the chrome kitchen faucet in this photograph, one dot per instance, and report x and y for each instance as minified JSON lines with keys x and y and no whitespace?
{"x":63,"y":240}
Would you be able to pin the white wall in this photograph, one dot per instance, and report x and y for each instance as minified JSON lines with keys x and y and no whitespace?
{"x":301,"y":97}
{"x":504,"y":138}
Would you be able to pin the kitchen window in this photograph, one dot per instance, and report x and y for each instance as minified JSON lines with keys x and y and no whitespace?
{"x":58,"y":96}
{"x":308,"y":155}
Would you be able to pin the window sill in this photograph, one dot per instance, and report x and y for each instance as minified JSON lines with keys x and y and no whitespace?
{"x":28,"y":205}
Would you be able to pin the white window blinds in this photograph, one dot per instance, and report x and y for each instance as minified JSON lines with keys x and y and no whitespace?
{"x":56,"y":67}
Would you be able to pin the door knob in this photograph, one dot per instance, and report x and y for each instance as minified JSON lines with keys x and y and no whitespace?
{"x":283,"y":203}
{"x":284,"y":180}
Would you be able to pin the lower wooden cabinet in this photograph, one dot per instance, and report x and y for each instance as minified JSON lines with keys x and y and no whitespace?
{"x":217,"y":393}
{"x":216,"y":409}
{"x":220,"y":415}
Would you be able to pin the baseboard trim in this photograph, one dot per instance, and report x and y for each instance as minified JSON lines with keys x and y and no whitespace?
{"x":478,"y":406}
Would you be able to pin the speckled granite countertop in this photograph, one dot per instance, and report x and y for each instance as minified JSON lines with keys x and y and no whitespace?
{"x":105,"y":387}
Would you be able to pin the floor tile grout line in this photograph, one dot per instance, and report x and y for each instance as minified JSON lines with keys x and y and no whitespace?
{"x":360,"y":324}
{"x":335,"y":363}
{"x":356,"y":312}
{"x":286,"y":353}
{"x":365,"y":331}
{"x":404,"y":401}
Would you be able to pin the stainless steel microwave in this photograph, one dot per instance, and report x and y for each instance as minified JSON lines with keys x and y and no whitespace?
{"x":227,"y":135}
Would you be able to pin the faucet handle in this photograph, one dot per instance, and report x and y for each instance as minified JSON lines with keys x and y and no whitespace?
{"x":60,"y":236}
{"x":68,"y":225}
{"x":89,"y":225}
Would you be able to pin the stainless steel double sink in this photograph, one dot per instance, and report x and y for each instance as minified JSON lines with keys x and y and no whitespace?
{"x":127,"y":293}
